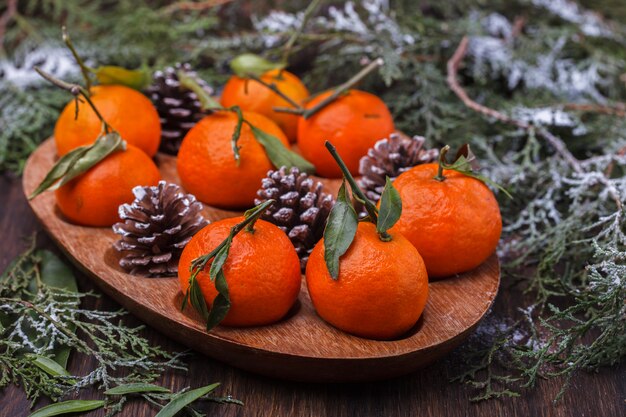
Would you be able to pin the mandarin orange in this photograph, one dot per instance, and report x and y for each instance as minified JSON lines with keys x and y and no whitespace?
{"x":126,"y":110}
{"x":381,"y":289}
{"x":94,"y":197}
{"x":353,"y":123}
{"x":454,"y":223}
{"x":206,"y":163}
{"x":262,"y":271}
{"x":250,"y":95}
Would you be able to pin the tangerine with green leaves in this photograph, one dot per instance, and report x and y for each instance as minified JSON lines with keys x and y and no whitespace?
{"x":251,"y":95}
{"x":93,"y":198}
{"x":381,"y":289}
{"x":206,"y":162}
{"x":128,"y":111}
{"x":262,"y":271}
{"x":353,"y":123}
{"x":454,"y":221}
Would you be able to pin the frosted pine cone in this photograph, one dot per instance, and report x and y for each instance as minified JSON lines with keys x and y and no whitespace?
{"x":179,"y":109}
{"x":390,"y":158}
{"x":156,"y":228}
{"x":301,"y":208}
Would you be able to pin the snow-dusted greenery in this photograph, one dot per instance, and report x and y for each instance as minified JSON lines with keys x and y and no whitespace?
{"x":552,"y":66}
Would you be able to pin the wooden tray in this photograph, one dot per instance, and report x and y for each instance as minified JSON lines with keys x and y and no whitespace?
{"x":301,"y":346}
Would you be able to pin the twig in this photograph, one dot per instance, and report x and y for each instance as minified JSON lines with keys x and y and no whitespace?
{"x":83,"y":68}
{"x":76,"y":90}
{"x":336,"y":92}
{"x":453,"y":67}
{"x":192,"y":6}
{"x":518,"y":26}
{"x":6,"y":18}
{"x":618,"y":109}
{"x":294,"y":37}
{"x":275,"y":89}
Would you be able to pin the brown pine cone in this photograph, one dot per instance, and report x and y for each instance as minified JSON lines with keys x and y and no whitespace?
{"x":179,"y":109}
{"x":301,"y":208}
{"x":390,"y":158}
{"x":155,"y":229}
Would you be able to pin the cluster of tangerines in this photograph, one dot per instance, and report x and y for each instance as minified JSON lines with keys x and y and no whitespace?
{"x":369,"y":278}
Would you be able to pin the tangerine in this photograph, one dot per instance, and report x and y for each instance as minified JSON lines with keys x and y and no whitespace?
{"x":454,"y":223}
{"x":262,"y":271}
{"x":353,"y":123}
{"x":126,"y":110}
{"x":253,"y":96}
{"x":93,"y":198}
{"x":206,"y":163}
{"x":381,"y":289}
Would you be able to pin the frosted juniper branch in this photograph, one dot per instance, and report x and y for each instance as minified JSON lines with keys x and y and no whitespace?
{"x":453,"y":82}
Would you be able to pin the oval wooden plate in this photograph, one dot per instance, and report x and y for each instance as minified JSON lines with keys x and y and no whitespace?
{"x":301,"y":346}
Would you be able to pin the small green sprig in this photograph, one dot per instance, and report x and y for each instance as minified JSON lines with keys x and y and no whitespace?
{"x":219,"y":255}
{"x":342,"y":221}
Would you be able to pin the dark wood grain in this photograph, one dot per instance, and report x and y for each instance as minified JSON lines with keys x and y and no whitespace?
{"x":300,"y":347}
{"x":426,"y":393}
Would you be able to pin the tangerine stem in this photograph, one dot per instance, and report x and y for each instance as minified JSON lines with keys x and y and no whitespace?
{"x":369,"y":206}
{"x":75,"y":90}
{"x":83,"y":68}
{"x":251,"y":216}
{"x":275,"y":89}
{"x":442,"y":161}
{"x":378,"y":62}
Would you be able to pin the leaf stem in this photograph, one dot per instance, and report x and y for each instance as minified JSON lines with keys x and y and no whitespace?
{"x":84,"y":69}
{"x":356,"y":191}
{"x":442,"y":160}
{"x":75,"y":90}
{"x":206,"y":101}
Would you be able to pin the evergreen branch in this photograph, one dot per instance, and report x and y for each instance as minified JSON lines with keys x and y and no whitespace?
{"x":308,"y":12}
{"x":453,"y":81}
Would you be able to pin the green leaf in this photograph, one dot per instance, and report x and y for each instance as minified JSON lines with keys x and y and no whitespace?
{"x":79,"y":161}
{"x":278,"y":154}
{"x":110,"y":74}
{"x":194,"y":294}
{"x":220,"y":258}
{"x":137,"y":387}
{"x":66,"y":407}
{"x":390,"y":208}
{"x":221,"y":303}
{"x":189,"y":82}
{"x":48,"y":365}
{"x":246,"y":65}
{"x":55,"y":273}
{"x":181,"y":401}
{"x":237,"y":133}
{"x":340,"y":230}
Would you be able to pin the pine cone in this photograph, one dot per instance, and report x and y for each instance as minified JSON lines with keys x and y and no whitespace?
{"x":301,"y":208}
{"x":390,"y":158}
{"x":179,"y":109}
{"x":156,"y":228}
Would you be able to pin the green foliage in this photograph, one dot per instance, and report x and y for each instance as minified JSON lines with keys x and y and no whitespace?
{"x":39,"y":315}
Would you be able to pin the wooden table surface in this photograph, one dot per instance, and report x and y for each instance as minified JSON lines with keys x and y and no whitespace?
{"x":425,"y":393}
